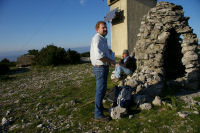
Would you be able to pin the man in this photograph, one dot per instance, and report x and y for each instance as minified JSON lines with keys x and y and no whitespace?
{"x":126,"y":65}
{"x":99,"y":56}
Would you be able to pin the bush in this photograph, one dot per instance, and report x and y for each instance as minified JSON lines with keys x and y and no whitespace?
{"x":85,"y":54}
{"x":51,"y":55}
{"x":4,"y":66}
{"x":7,"y":62}
{"x":33,"y":52}
{"x":73,"y":57}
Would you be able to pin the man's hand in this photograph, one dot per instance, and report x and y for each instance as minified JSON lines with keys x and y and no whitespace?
{"x":112,"y":63}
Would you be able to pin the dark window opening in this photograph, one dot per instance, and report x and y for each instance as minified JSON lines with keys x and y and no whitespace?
{"x":119,"y":18}
{"x":172,"y":56}
{"x":112,"y":1}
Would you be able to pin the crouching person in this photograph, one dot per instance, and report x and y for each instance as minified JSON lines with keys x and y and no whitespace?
{"x":126,"y":65}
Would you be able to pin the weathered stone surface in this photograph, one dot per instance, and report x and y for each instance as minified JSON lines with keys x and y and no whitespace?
{"x":162,"y":37}
{"x":117,"y":112}
{"x":188,"y":48}
{"x":131,"y":82}
{"x":39,"y":126}
{"x":183,"y":114}
{"x":190,"y":55}
{"x":145,"y":106}
{"x":25,"y":60}
{"x":157,"y":101}
{"x":4,"y":121}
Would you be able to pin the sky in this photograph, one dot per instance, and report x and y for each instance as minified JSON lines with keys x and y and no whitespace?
{"x":33,"y":24}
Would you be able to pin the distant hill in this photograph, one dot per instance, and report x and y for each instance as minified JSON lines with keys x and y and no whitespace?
{"x":80,"y":49}
{"x":12,"y":55}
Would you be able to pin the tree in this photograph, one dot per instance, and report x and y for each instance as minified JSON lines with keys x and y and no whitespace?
{"x":73,"y":57}
{"x":52,"y":55}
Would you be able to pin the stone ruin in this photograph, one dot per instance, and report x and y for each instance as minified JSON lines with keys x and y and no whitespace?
{"x":25,"y":60}
{"x":166,"y":50}
{"x":166,"y":53}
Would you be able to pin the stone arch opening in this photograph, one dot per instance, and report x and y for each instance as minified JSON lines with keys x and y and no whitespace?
{"x":166,"y":51}
{"x":172,"y":56}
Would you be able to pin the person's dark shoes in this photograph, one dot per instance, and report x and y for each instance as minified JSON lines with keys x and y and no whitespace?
{"x":103,"y":119}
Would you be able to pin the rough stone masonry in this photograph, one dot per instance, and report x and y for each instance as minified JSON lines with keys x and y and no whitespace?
{"x":166,"y":51}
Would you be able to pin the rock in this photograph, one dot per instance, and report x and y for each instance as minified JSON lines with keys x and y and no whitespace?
{"x":8,"y":113}
{"x":157,"y":101}
{"x":4,"y":121}
{"x":13,"y":127}
{"x":183,"y":114}
{"x":146,"y":106}
{"x":39,"y":126}
{"x":131,"y":82}
{"x":130,"y":116}
{"x":17,"y":101}
{"x":117,"y":112}
{"x":139,"y":88}
{"x":104,"y":101}
{"x":196,"y":112}
{"x":121,"y":83}
{"x":162,"y":37}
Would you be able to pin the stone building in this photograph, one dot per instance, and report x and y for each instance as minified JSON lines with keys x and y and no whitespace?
{"x":166,"y":51}
{"x":125,"y":25}
{"x":25,"y":60}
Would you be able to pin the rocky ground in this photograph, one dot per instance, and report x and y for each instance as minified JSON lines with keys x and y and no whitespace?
{"x":60,"y":99}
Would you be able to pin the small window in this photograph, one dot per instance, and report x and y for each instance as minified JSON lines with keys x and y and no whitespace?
{"x":113,"y":1}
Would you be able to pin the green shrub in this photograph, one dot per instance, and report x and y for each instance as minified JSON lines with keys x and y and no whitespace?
{"x":51,"y":55}
{"x":85,"y":54}
{"x":73,"y":57}
{"x":33,"y":52}
{"x":7,"y":62}
{"x":4,"y":68}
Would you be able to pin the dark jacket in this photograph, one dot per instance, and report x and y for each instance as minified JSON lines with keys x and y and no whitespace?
{"x":130,"y":63}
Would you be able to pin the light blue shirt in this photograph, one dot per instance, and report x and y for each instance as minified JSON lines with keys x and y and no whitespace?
{"x":125,"y":59}
{"x":98,"y":49}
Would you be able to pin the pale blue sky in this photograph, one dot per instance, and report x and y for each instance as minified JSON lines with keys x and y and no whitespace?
{"x":32,"y":24}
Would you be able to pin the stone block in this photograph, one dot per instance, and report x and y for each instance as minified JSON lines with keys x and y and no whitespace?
{"x":162,"y":37}
{"x":157,"y":101}
{"x":188,"y":48}
{"x":117,"y":112}
{"x":145,"y":106}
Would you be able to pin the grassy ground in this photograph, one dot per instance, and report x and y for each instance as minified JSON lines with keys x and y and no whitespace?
{"x":60,"y":99}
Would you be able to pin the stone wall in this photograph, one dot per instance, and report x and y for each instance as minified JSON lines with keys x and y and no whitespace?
{"x":166,"y":46}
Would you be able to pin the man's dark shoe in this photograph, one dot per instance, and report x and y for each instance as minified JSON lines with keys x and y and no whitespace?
{"x":103,"y":119}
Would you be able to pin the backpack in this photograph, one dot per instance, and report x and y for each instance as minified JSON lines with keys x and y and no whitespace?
{"x":124,"y":97}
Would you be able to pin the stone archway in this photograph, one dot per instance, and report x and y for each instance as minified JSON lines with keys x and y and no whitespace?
{"x":172,"y":55}
{"x":160,"y":52}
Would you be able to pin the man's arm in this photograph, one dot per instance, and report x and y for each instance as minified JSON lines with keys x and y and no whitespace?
{"x":105,"y":59}
{"x":121,"y":63}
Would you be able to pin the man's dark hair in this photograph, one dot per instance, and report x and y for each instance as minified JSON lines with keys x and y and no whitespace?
{"x":98,"y":23}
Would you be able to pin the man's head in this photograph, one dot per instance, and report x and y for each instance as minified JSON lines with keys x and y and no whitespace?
{"x":101,"y":28}
{"x":125,"y":53}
